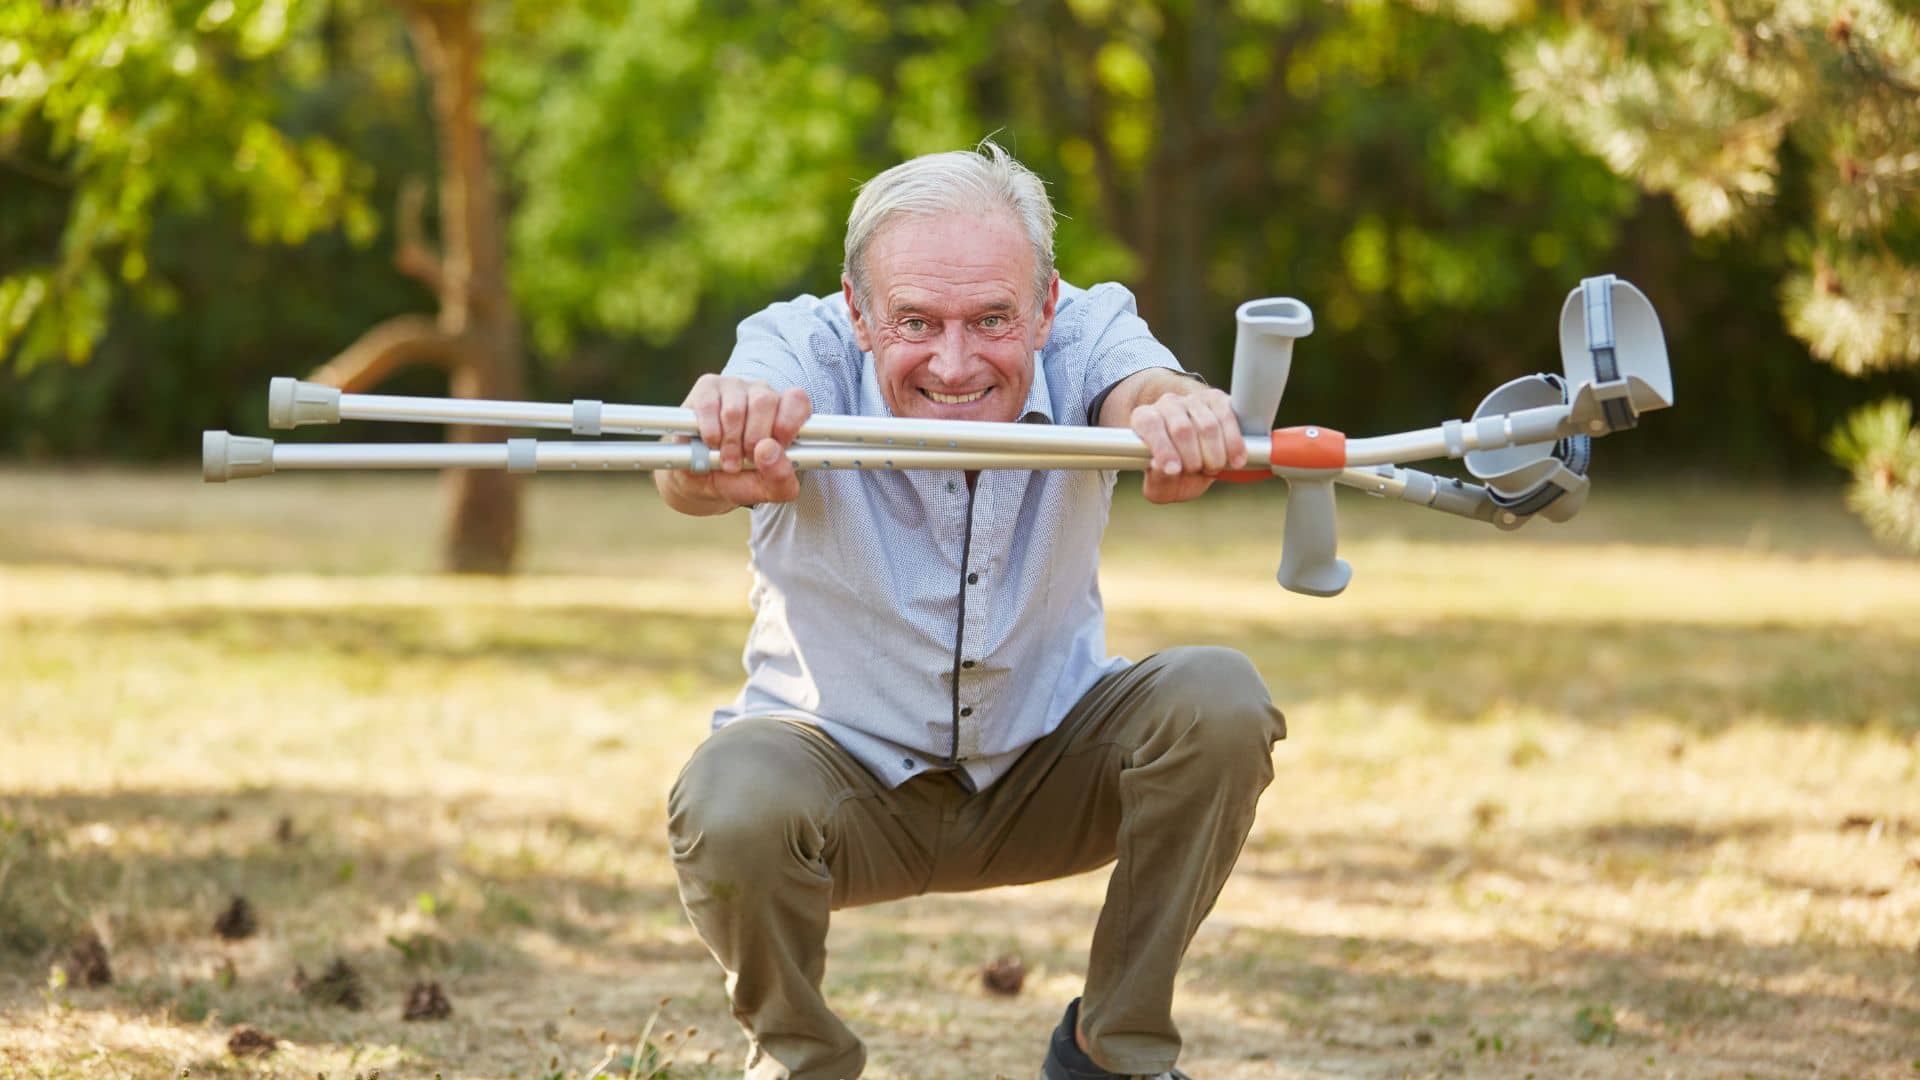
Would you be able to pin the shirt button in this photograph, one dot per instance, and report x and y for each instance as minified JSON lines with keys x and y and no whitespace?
{"x":966,"y":663}
{"x":968,"y":711}
{"x":907,"y":764}
{"x":951,"y":486}
{"x":973,"y":579}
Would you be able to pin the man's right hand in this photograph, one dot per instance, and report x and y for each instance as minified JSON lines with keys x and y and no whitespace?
{"x":742,"y":422}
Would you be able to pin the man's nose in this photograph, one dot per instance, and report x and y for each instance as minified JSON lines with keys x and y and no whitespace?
{"x":950,"y":363}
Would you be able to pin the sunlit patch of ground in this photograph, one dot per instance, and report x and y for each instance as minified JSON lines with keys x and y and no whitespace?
{"x":1635,"y":796}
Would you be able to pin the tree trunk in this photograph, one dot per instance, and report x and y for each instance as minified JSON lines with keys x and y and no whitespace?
{"x":483,"y":527}
{"x":475,"y":335}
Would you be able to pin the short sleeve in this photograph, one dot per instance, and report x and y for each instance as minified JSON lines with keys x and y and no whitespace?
{"x":805,"y":342}
{"x":1110,"y":340}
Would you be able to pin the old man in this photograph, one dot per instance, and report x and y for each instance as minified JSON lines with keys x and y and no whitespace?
{"x":929,"y":703}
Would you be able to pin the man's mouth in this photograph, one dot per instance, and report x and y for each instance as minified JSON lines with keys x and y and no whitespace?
{"x":954,"y":399}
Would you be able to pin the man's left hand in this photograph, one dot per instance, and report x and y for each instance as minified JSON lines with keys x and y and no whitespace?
{"x":1193,"y":436}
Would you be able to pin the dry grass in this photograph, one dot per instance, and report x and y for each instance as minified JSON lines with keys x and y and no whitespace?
{"x":1636,"y":796}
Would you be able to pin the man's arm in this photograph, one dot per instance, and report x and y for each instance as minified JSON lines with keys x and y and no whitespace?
{"x":1188,"y":425}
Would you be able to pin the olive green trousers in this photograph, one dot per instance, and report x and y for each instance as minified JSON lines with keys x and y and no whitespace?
{"x":1157,"y":769}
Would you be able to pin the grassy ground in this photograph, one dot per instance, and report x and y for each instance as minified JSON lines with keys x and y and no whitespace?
{"x":1636,"y":796}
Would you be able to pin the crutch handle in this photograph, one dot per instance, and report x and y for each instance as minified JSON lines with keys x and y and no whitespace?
{"x":1307,"y":560}
{"x":1263,"y":357}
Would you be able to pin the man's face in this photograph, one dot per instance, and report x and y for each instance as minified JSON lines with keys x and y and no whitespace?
{"x":953,"y":324}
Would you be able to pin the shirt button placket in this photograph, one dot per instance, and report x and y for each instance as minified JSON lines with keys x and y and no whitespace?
{"x":977,"y":616}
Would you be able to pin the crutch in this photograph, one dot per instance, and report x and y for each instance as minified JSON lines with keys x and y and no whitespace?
{"x":1529,"y":440}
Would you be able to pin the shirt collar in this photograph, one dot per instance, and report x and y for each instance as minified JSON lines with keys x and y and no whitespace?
{"x":1038,"y":408}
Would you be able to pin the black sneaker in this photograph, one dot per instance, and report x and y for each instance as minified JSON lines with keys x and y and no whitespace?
{"x":1066,"y":1061}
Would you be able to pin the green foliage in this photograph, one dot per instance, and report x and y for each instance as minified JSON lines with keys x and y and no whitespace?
{"x":126,"y":109}
{"x":669,"y":154}
{"x":198,"y":213}
{"x":1726,"y":106}
{"x":1881,"y":447}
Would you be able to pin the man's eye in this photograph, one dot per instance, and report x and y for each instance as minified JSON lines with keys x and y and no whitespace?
{"x":993,"y":322}
{"x":914,"y":326}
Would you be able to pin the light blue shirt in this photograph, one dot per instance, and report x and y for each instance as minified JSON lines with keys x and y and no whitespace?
{"x":920,"y":624}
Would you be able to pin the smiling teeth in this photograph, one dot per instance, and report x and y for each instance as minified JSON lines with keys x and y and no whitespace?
{"x":956,"y":399}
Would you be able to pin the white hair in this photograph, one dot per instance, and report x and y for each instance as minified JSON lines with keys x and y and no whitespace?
{"x":983,"y":180}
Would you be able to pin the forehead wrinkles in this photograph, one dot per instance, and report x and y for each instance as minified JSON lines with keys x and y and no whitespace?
{"x":949,"y":299}
{"x":951,"y":259}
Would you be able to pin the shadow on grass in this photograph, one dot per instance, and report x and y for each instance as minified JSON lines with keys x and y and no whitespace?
{"x":1463,"y":669}
{"x":1332,"y":1002}
{"x":158,"y":865}
{"x":581,"y":641}
{"x":320,"y":868}
{"x":1704,"y":677}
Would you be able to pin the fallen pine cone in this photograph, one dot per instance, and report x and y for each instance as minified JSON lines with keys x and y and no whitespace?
{"x":1005,"y":975}
{"x":86,"y":964}
{"x":340,"y":986}
{"x":237,"y":921}
{"x":248,"y":1042}
{"x":426,"y":1001}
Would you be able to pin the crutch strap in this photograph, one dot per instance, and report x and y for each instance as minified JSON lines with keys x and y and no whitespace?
{"x":1616,"y":404}
{"x":1528,"y":479}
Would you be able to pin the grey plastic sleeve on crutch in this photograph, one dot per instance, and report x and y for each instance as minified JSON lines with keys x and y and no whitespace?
{"x":702,"y":458}
{"x":226,"y":457}
{"x":586,"y":416}
{"x":1596,"y":295}
{"x":523,"y":455}
{"x":292,"y":403}
{"x":1308,"y":563}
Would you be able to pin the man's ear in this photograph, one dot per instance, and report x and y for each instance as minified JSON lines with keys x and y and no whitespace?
{"x":861,"y":335}
{"x":1047,"y":307}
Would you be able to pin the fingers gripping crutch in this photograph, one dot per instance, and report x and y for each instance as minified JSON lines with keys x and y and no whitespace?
{"x":1529,"y":441}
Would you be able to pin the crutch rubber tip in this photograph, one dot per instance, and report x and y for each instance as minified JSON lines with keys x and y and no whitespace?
{"x":226,"y":457}
{"x":291,"y":403}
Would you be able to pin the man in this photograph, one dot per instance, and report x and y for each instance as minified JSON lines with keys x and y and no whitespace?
{"x":929,"y":703}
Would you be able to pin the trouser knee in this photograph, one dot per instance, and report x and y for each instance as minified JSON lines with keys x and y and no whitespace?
{"x":737,"y":815}
{"x":1235,"y":723}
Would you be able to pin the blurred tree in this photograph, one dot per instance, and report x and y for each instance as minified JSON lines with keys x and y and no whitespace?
{"x":1364,"y":155}
{"x":1725,"y":104}
{"x":142,"y":106}
{"x":630,"y":214}
{"x":663,"y":167}
{"x":476,"y":333}
{"x":119,"y":110}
